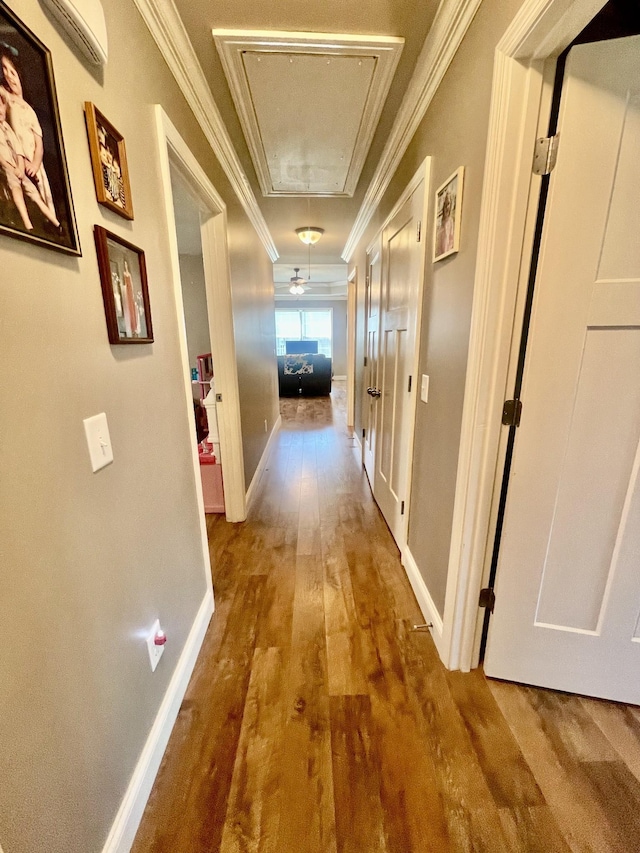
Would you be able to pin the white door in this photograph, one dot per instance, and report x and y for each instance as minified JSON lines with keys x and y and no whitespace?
{"x":401,"y":273}
{"x":370,"y":405}
{"x":568,"y":581}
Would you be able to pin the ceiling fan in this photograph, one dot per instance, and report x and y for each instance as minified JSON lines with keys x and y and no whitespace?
{"x":296,"y":282}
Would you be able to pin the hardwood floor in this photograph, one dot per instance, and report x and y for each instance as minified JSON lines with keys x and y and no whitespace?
{"x":317,"y":721}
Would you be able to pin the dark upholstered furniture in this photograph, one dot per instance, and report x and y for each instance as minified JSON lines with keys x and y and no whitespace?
{"x":307,"y":375}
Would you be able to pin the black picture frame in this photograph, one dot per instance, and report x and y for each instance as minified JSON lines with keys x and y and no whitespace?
{"x":35,"y":197}
{"x":125,"y":292}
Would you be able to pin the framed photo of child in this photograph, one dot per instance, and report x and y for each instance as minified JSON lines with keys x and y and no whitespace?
{"x":123,"y":276}
{"x":446,"y":238}
{"x":109,"y":162}
{"x":35,"y":195}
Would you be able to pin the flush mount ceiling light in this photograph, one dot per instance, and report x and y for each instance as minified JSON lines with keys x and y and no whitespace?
{"x":310,"y":234}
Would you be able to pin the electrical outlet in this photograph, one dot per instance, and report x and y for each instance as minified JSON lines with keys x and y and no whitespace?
{"x":155,"y":648}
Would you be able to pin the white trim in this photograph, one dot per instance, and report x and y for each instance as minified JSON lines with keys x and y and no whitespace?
{"x":339,"y":378}
{"x":356,"y":438}
{"x":174,"y":150}
{"x":264,"y":460}
{"x":232,"y":44}
{"x":166,"y":27}
{"x":124,"y":827}
{"x":182,"y":340}
{"x":422,"y":176}
{"x":426,"y":603}
{"x":423,"y":172}
{"x":310,"y":297}
{"x":352,"y":313}
{"x":541,"y":29}
{"x":451,"y":22}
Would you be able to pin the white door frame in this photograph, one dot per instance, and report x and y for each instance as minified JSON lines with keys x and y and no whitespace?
{"x":213,"y":230}
{"x":541,"y":30}
{"x":422,"y":174}
{"x":352,"y":297}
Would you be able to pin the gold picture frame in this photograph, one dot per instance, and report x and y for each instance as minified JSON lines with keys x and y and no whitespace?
{"x":109,"y":163}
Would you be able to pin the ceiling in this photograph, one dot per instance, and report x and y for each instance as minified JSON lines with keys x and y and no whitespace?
{"x":308,"y":104}
{"x":403,"y":19}
{"x":322,"y":281}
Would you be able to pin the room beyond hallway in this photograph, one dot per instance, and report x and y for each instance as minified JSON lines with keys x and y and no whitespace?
{"x":317,"y":720}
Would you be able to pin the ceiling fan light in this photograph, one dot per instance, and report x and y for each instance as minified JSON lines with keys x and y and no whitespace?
{"x":309,"y":235}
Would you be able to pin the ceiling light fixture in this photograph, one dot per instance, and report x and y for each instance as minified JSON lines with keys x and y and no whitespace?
{"x":296,"y":283}
{"x":310,"y":234}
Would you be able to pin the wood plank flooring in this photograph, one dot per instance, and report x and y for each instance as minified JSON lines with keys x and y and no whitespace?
{"x":317,"y":721}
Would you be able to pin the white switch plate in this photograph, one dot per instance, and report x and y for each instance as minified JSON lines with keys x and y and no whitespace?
{"x":424,"y":388}
{"x":98,"y":441}
{"x":155,"y":652}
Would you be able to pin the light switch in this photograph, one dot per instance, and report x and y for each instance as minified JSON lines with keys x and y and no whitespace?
{"x":424,"y":388}
{"x":98,"y":441}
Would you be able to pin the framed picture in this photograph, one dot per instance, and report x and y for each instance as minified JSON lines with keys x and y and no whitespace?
{"x":123,"y":276}
{"x":35,"y":195}
{"x":446,"y":238}
{"x":109,"y":161}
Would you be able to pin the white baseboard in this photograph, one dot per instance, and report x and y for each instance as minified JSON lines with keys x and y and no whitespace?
{"x":339,"y":378}
{"x":255,"y":481}
{"x":427,"y":606}
{"x":124,"y":828}
{"x":357,"y":439}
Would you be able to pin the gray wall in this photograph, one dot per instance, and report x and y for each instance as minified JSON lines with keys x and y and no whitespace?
{"x":194,"y":299}
{"x":453,"y":133}
{"x":87,"y":561}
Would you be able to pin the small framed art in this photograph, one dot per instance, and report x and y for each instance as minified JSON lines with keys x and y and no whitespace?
{"x":109,"y":162}
{"x":123,"y":276}
{"x":35,"y":195}
{"x":446,"y":238}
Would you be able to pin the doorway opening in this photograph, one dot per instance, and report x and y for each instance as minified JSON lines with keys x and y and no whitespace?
{"x":201,"y":277}
{"x":187,"y":214}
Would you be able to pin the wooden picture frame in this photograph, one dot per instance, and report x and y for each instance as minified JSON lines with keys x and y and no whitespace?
{"x":125,"y":292}
{"x":109,"y":163}
{"x":447,"y":220}
{"x":35,"y":193}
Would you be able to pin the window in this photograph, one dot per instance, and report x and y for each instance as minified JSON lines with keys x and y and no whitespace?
{"x":312,"y":325}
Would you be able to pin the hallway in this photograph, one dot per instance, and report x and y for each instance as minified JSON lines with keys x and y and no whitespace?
{"x":317,"y":720}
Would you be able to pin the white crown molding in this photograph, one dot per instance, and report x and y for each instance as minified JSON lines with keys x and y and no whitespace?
{"x":449,"y":27}
{"x":232,"y":46}
{"x":166,"y":27}
{"x":310,"y":297}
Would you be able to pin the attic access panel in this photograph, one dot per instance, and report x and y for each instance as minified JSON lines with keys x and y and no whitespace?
{"x":309,"y":104}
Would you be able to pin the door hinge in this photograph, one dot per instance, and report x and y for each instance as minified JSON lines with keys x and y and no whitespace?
{"x":487,"y":598}
{"x":418,"y":231}
{"x":365,"y":361}
{"x":401,"y":507}
{"x":545,"y":154}
{"x":409,"y":386}
{"x":511,"y":413}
